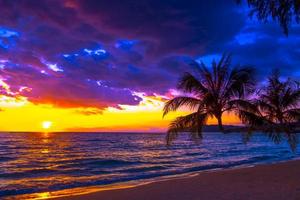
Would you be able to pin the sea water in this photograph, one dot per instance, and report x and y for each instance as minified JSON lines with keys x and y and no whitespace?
{"x":44,"y":163}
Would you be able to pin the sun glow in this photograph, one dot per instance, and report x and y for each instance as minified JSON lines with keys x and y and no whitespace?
{"x":46,"y":124}
{"x":146,"y":116}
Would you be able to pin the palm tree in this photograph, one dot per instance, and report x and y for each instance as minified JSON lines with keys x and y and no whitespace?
{"x":282,"y":11}
{"x":212,"y":92}
{"x":276,"y":111}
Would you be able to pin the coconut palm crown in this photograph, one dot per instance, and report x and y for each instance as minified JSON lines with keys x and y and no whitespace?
{"x":210,"y":92}
{"x":275,"y":111}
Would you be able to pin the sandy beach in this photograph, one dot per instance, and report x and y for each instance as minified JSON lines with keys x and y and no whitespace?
{"x":272,"y":181}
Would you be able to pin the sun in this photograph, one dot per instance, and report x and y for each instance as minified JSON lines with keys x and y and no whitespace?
{"x":46,"y":124}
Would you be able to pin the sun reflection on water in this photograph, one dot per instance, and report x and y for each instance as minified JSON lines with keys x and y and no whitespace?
{"x":45,"y":151}
{"x":43,"y":195}
{"x":46,"y":134}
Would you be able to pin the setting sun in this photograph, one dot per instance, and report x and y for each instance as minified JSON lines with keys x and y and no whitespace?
{"x":46,"y":124}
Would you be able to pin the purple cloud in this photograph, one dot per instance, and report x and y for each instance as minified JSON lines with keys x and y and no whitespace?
{"x":91,"y":53}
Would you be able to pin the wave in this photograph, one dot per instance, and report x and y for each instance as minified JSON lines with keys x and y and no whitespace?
{"x":83,"y":160}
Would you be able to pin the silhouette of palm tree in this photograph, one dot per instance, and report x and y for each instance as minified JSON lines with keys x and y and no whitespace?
{"x":275,"y":111}
{"x":212,"y":92}
{"x":283,"y":11}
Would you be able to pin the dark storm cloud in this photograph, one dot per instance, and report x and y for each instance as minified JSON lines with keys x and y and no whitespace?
{"x":94,"y":53}
{"x":170,"y":25}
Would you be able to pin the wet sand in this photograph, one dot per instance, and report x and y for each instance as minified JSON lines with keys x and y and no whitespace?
{"x":267,"y":182}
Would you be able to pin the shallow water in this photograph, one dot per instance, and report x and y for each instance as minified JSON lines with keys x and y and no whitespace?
{"x":43,"y":162}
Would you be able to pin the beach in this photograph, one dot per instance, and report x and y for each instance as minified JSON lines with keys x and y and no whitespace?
{"x":270,"y":181}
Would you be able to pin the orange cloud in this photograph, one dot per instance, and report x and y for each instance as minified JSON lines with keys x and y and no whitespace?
{"x":19,"y":114}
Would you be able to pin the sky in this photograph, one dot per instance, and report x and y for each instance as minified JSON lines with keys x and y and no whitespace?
{"x":96,"y":65}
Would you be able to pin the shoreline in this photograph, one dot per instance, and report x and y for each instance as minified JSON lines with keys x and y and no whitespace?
{"x":266,"y":181}
{"x":99,"y":192}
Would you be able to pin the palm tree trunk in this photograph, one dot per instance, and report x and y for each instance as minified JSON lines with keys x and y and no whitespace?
{"x":220,"y":124}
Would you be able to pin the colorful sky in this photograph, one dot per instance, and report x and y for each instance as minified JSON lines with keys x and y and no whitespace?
{"x":96,"y":65}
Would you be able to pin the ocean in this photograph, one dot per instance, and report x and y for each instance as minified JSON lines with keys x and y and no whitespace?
{"x":40,"y":165}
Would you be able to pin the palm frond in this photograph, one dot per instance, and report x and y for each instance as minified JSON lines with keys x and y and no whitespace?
{"x":207,"y":77}
{"x":240,"y":82}
{"x":246,"y":136}
{"x":291,"y":98}
{"x":275,"y":136}
{"x":189,"y":83}
{"x":177,"y":102}
{"x":292,"y":115}
{"x":222,"y":71}
{"x":293,"y":141}
{"x":251,"y":119}
{"x":192,"y":123}
{"x":243,"y":104}
{"x":264,"y":106}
